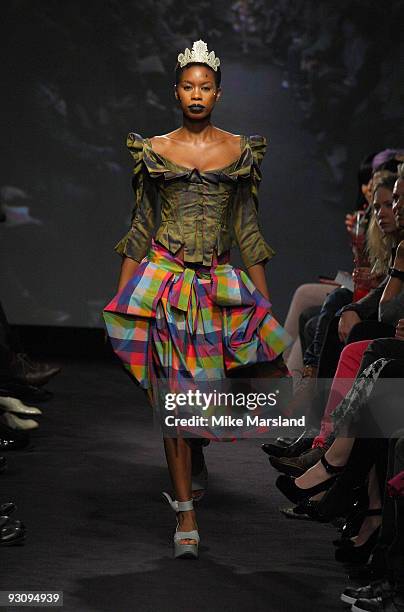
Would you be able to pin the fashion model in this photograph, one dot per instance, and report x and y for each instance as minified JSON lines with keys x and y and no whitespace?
{"x":182,"y":312}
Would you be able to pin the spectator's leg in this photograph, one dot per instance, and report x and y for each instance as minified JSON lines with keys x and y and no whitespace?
{"x":333,"y":302}
{"x":309,"y":294}
{"x":307,"y":326}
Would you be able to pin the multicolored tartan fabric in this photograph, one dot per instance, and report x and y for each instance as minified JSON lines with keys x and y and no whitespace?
{"x":195,"y":322}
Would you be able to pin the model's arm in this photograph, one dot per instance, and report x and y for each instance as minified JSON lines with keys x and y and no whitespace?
{"x":257,"y":275}
{"x":134,"y":245}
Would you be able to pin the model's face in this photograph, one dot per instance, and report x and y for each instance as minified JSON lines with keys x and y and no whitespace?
{"x":398,"y":203}
{"x":197,"y":92}
{"x":383,"y":210}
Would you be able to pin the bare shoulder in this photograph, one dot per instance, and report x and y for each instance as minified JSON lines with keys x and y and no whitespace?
{"x":163,"y":142}
{"x":227,"y":137}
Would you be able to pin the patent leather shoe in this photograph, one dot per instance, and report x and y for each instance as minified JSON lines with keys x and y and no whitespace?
{"x":357,"y":554}
{"x":11,"y":535}
{"x":7,"y":508}
{"x":286,"y":484}
{"x":299,"y":446}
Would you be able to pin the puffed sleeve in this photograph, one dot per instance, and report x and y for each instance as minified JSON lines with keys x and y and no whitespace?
{"x":136,"y":242}
{"x":247,"y":233}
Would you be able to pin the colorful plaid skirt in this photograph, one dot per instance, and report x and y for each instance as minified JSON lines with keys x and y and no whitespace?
{"x":187,"y":322}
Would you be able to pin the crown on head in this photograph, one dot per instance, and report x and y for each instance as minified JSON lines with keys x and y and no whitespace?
{"x":200,"y":55}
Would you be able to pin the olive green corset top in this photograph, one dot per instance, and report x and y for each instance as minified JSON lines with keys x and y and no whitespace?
{"x":202,"y":211}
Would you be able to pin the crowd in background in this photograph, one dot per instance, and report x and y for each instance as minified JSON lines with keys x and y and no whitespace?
{"x":347,"y":467}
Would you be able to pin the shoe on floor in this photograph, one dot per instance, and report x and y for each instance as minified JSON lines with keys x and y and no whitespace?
{"x":12,"y":534}
{"x":25,"y":370}
{"x":7,"y":508}
{"x":296,"y":512}
{"x":296,"y":466}
{"x":370,"y":591}
{"x":15,"y":405}
{"x":14,"y":422}
{"x":387,"y":603}
{"x":298,"y":446}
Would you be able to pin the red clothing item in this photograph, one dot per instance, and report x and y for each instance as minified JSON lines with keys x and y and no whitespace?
{"x":344,"y":378}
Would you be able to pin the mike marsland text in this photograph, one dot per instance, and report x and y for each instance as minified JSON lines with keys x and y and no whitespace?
{"x":229,"y":421}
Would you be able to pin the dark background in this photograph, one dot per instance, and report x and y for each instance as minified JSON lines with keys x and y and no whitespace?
{"x":322,"y":81}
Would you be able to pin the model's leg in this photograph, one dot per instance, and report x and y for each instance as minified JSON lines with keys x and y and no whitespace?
{"x":178,"y":454}
{"x":198,"y":468}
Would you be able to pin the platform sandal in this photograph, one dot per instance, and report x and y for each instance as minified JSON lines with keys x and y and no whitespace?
{"x":181,"y":550}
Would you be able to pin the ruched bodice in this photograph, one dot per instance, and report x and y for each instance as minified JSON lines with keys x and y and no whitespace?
{"x":202,"y":211}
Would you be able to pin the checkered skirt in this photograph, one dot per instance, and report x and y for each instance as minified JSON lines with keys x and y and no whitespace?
{"x":188,"y":322}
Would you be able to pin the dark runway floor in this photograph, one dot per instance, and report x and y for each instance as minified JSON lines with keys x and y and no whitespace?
{"x":89,"y":493}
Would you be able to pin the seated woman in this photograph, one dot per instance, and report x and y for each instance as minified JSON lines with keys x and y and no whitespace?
{"x":353,"y":457}
{"x":382,"y":234}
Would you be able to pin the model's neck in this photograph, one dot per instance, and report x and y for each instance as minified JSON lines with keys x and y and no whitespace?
{"x":196,"y":129}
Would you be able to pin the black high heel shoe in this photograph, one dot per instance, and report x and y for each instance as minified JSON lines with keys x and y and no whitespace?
{"x":357,"y":554}
{"x":353,"y":525}
{"x":286,"y":484}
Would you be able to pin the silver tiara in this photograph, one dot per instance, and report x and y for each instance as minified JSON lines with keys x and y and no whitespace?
{"x":200,"y":55}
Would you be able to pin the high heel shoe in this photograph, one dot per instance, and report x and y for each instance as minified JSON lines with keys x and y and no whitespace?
{"x":182,"y":550}
{"x":353,"y":525}
{"x":286,"y":484}
{"x":357,"y":554}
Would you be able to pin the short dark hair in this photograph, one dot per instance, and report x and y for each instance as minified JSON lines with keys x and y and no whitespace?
{"x":391,"y":165}
{"x":365,"y":169}
{"x":179,"y":70}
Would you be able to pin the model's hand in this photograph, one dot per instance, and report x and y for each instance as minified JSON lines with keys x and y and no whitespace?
{"x":257,"y":275}
{"x":400,"y":329}
{"x":128,"y":268}
{"x":346,"y":322}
